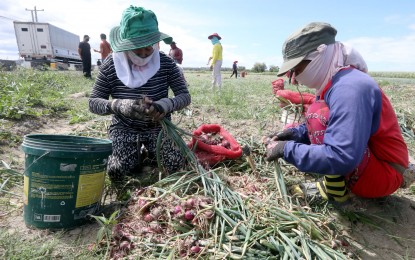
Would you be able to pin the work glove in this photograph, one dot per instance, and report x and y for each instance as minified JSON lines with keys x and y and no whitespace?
{"x":131,"y":108}
{"x":275,"y":150}
{"x":158,"y":109}
{"x":285,"y":135}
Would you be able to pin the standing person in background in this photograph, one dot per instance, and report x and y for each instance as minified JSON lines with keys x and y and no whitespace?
{"x":104,"y":47}
{"x":176,"y":53}
{"x":84,"y":51}
{"x":234,"y":69}
{"x":351,"y":136}
{"x":216,"y":60}
{"x":138,"y":78}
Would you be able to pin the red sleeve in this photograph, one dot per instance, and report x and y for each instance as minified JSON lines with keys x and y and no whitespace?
{"x":387,"y":143}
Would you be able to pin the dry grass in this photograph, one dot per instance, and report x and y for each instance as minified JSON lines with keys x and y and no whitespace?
{"x":247,"y":109}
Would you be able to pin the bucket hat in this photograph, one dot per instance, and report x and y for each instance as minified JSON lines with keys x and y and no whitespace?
{"x":138,"y":29}
{"x":304,"y":41}
{"x":214,"y":35}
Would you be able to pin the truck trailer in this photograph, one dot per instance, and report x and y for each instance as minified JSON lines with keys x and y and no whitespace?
{"x":45,"y":43}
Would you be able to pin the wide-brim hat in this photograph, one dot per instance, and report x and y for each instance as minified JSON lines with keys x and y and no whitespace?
{"x":214,"y":35}
{"x":138,"y":29}
{"x":304,"y":41}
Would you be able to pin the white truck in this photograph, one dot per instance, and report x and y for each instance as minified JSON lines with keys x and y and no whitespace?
{"x":45,"y":43}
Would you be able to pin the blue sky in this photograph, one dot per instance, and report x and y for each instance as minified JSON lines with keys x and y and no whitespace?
{"x":252,"y":31}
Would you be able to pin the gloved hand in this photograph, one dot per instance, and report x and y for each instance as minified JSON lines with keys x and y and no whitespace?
{"x":275,"y":150}
{"x":131,"y":108}
{"x":285,"y":135}
{"x":158,"y":109}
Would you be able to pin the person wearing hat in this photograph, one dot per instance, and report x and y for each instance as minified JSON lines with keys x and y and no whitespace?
{"x":176,"y":53}
{"x":84,"y":51}
{"x":351,"y":136}
{"x":216,"y":60}
{"x":234,"y":69}
{"x":138,"y":78}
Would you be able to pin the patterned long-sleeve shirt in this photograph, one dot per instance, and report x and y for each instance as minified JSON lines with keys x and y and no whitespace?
{"x":108,"y":84}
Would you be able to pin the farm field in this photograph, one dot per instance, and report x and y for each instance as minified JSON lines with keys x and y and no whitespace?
{"x":249,"y":215}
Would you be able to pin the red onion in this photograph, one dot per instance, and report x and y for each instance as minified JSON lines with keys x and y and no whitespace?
{"x":207,"y":200}
{"x":195,"y":249}
{"x":204,"y":203}
{"x":91,"y":247}
{"x":145,"y":230}
{"x":226,"y":144}
{"x":177,"y":210}
{"x":148,"y":217}
{"x":203,"y":138}
{"x":208,"y":214}
{"x":189,"y":215}
{"x":183,"y":253}
{"x":141,"y":203}
{"x":190,"y":203}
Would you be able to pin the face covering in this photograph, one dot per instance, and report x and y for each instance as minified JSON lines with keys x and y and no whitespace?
{"x":326,"y":61}
{"x":214,"y":40}
{"x":311,"y":76}
{"x":137,"y":60}
{"x":132,"y":75}
{"x":317,"y":73}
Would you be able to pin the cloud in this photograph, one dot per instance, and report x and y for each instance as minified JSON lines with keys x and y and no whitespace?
{"x":385,"y":53}
{"x":189,"y":24}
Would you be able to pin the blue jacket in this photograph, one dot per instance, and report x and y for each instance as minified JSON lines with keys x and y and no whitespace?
{"x":355,"y":102}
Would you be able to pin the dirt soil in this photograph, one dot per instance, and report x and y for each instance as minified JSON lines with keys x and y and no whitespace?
{"x":393,"y":238}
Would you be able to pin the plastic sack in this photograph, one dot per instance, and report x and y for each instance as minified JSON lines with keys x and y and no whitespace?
{"x":295,"y":97}
{"x":212,"y":144}
{"x":277,"y":84}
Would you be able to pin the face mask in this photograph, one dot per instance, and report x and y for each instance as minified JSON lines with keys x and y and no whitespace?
{"x":137,"y":60}
{"x":320,"y":70}
{"x":310,"y":76}
{"x":214,"y":40}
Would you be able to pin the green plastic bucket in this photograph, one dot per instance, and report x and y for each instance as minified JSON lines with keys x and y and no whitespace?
{"x":63,"y":180}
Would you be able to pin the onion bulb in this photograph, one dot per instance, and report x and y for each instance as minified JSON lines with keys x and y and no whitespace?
{"x":189,"y":215}
{"x":195,"y":249}
{"x":148,"y":217}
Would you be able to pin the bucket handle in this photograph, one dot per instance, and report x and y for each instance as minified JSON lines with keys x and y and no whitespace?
{"x":35,"y":161}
